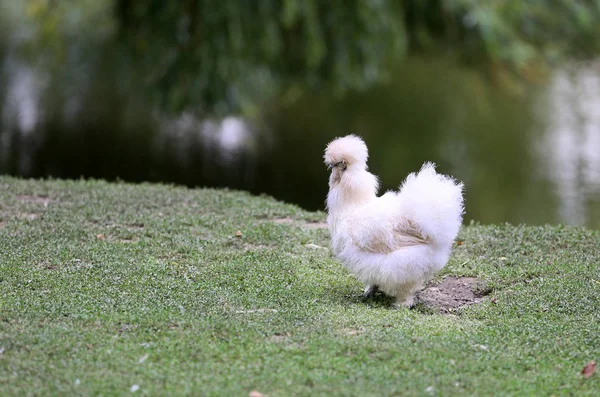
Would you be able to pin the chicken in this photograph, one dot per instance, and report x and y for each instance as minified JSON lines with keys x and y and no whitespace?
{"x":396,"y":242}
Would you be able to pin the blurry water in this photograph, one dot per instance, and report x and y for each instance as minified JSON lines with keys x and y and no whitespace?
{"x":570,"y":151}
{"x":524,"y":157}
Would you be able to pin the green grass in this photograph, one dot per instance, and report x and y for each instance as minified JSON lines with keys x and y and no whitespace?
{"x":106,"y":286}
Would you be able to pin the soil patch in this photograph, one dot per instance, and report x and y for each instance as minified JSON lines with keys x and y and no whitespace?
{"x":316,"y":225}
{"x":27,"y":198}
{"x":287,"y":220}
{"x":255,"y":247}
{"x":27,"y":215}
{"x":307,"y":224}
{"x":452,"y":293}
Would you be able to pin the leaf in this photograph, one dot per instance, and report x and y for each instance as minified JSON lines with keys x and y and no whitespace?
{"x":589,"y":369}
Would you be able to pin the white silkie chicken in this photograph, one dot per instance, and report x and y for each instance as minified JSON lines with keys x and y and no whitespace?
{"x":396,"y":242}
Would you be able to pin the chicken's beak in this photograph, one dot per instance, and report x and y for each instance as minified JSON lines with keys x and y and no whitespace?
{"x":342,"y":163}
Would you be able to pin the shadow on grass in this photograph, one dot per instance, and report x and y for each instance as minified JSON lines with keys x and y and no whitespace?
{"x":378,"y":300}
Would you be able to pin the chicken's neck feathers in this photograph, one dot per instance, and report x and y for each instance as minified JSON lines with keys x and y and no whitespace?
{"x":353,"y":189}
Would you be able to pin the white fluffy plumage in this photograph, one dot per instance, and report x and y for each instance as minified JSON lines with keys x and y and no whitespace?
{"x":397,"y":241}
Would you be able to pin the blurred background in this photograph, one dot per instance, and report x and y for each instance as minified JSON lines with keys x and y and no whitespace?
{"x":504,"y":95}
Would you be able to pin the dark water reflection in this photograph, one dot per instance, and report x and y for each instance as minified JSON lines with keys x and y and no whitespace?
{"x":520,"y":160}
{"x":524,"y":157}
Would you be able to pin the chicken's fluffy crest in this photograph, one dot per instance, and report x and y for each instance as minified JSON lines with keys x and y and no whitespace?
{"x":350,"y":149}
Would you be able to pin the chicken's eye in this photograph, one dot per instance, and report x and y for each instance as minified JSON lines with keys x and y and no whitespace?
{"x":342,"y":165}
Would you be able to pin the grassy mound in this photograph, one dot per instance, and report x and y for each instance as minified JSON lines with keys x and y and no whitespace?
{"x":157,"y":290}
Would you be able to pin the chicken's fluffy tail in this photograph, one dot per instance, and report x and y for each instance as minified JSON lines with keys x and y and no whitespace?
{"x":434,"y":203}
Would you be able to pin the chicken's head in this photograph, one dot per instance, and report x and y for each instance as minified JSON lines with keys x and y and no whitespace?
{"x":350,"y":181}
{"x":345,"y":152}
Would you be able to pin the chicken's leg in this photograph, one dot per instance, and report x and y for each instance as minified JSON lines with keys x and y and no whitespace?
{"x":405,"y":296}
{"x":369,"y":291}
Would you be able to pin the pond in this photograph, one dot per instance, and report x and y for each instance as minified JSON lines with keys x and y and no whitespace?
{"x":526,"y":154}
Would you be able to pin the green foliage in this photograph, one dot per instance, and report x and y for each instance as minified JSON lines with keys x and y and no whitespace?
{"x":238,"y":52}
{"x":56,"y":30}
{"x":230,"y":55}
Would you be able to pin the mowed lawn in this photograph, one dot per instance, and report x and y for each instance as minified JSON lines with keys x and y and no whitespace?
{"x":117,"y":289}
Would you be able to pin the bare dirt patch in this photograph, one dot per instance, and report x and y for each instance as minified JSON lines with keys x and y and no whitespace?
{"x":279,"y":337}
{"x":287,"y":220}
{"x":315,"y":246}
{"x":48,"y":266}
{"x":28,"y":198}
{"x":351,"y":331}
{"x":255,"y":247}
{"x":126,"y":327}
{"x":310,"y":225}
{"x":316,"y":225}
{"x":135,"y":226}
{"x":132,"y":227}
{"x":452,"y":293}
{"x":128,"y":240}
{"x":27,"y":215}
